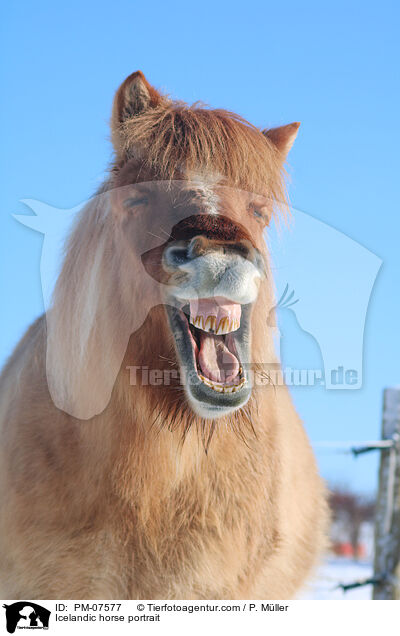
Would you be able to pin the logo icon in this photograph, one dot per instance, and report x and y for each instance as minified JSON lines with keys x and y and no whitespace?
{"x":26,"y":615}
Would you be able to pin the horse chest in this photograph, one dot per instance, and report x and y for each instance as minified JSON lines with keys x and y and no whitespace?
{"x":196,"y":544}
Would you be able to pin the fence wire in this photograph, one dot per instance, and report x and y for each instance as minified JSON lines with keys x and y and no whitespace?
{"x":355,"y":448}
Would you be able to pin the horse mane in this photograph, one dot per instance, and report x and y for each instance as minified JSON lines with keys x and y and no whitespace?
{"x":174,"y":138}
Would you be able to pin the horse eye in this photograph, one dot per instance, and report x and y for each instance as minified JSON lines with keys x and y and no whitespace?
{"x":132,"y":203}
{"x":257,"y":214}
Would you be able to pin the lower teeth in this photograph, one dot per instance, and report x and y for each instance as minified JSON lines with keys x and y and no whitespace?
{"x":221,"y":388}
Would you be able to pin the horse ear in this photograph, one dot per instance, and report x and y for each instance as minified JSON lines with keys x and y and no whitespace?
{"x":283,"y":137}
{"x":134,"y":96}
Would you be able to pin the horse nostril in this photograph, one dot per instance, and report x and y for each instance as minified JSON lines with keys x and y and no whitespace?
{"x":245,"y":249}
{"x":174,"y":256}
{"x":252,"y":254}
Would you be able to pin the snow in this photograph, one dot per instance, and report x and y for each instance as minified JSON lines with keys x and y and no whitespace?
{"x":335,"y":570}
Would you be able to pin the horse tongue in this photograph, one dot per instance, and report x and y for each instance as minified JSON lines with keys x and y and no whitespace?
{"x":216,"y":361}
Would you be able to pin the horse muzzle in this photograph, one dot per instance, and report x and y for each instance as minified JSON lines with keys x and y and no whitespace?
{"x":212,"y":287}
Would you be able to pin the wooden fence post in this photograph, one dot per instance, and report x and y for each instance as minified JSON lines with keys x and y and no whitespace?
{"x":387,"y":516}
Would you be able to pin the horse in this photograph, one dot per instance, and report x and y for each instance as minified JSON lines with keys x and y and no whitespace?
{"x":144,"y":451}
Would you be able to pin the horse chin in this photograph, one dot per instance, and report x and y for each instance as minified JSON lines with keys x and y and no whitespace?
{"x":208,"y":398}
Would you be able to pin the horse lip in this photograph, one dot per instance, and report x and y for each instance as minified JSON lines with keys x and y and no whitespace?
{"x":221,"y":401}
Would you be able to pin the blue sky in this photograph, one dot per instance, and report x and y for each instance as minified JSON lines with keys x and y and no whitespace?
{"x":332,"y":66}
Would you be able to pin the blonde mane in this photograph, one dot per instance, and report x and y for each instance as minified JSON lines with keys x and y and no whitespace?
{"x":175,"y":138}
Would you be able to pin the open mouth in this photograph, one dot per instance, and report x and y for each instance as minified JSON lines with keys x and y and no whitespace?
{"x":212,"y":323}
{"x":212,"y":340}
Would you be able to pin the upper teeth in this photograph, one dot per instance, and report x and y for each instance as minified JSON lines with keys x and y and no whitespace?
{"x":216,"y":315}
{"x":209,"y":323}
